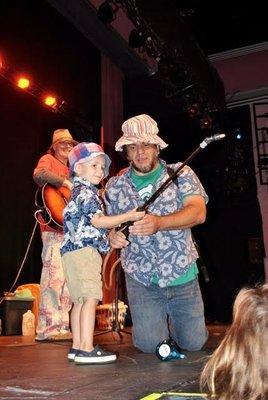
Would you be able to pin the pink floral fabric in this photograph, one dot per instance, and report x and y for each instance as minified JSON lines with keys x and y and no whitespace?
{"x":55,"y":302}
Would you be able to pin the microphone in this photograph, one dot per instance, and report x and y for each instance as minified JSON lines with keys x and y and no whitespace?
{"x":212,"y":138}
{"x":218,"y":136}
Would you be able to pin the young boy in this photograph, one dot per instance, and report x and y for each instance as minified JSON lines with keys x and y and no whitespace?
{"x":85,"y":236}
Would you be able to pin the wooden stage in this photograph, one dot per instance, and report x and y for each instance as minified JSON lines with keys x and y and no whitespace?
{"x":34,"y":370}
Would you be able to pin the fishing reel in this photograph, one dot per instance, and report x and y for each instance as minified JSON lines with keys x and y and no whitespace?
{"x":169,"y":350}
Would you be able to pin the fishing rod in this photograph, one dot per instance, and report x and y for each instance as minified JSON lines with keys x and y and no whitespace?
{"x":124,"y":227}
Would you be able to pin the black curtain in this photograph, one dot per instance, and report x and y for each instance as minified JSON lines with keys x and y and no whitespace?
{"x":35,"y":39}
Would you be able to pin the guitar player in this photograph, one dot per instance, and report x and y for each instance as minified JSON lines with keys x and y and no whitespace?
{"x":52,"y":168}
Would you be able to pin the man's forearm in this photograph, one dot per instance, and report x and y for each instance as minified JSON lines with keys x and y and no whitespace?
{"x":193,"y":213}
{"x":187,"y":217}
{"x":41,"y":177}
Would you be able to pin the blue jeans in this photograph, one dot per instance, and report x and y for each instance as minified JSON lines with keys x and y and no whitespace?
{"x":158,"y":313}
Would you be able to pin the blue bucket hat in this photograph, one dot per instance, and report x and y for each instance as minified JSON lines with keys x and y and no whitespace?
{"x":84,"y":152}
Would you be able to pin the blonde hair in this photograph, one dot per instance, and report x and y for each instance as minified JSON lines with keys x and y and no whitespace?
{"x":238,"y":368}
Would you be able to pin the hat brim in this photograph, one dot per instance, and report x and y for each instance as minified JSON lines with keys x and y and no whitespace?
{"x":92,"y":156}
{"x":123,"y":141}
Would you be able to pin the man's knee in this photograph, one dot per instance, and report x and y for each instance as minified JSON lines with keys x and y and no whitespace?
{"x":145,"y":346}
{"x":147,"y":342}
{"x":195,"y":343}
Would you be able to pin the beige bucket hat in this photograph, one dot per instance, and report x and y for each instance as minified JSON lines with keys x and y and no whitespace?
{"x":140,"y":129}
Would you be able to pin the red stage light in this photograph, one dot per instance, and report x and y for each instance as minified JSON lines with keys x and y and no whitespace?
{"x":50,"y":101}
{"x":23,"y":83}
{"x":193,"y":110}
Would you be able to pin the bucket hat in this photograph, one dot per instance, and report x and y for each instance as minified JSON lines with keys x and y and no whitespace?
{"x":140,"y":129}
{"x":84,"y":152}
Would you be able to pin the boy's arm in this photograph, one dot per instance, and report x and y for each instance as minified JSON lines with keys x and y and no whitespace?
{"x":104,"y":221}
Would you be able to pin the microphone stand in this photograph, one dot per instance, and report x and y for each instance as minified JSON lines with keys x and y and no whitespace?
{"x":115,"y":323}
{"x":124,"y":227}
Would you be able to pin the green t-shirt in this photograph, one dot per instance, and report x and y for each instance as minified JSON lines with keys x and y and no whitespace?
{"x":188,"y":276}
{"x":144,"y":184}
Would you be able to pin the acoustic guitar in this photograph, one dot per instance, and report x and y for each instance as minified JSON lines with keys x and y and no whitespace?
{"x":51,"y":201}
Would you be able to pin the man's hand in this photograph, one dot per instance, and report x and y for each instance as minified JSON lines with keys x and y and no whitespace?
{"x":192,"y":213}
{"x":117,"y":239}
{"x":148,"y":225}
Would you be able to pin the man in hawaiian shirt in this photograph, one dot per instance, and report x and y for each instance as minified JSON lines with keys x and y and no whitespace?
{"x":159,"y":256}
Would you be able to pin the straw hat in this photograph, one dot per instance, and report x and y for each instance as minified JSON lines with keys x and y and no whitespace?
{"x":140,"y":129}
{"x":61,"y":135}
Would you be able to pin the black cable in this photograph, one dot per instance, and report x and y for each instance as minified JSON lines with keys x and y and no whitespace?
{"x":22,"y":263}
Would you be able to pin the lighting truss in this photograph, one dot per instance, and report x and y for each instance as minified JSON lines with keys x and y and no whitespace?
{"x":34,"y":89}
{"x":181,"y":80}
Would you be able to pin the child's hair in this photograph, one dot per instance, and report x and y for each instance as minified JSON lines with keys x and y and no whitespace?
{"x":238,"y":368}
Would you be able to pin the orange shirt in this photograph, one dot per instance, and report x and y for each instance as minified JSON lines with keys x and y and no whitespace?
{"x":50,"y":170}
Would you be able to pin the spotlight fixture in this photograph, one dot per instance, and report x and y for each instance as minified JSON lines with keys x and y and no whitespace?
{"x":136,"y":39}
{"x":50,"y":101}
{"x":106,"y":12}
{"x":193,"y":110}
{"x":45,"y":97}
{"x":23,"y":83}
{"x":238,"y":134}
{"x":206,"y":122}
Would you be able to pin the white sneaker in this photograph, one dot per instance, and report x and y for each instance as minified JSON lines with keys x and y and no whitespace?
{"x":96,"y":356}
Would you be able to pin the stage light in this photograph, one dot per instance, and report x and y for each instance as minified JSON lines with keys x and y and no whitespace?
{"x":106,"y":13}
{"x":193,"y":110}
{"x":23,"y":83}
{"x":136,"y":39}
{"x":238,"y":134}
{"x":50,"y":101}
{"x":206,"y":122}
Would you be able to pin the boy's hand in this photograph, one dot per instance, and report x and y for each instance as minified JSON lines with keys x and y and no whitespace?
{"x":134,"y":215}
{"x":149,"y":225}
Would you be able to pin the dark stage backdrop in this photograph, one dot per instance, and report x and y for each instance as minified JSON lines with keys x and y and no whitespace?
{"x":234,"y":224}
{"x":35,"y":39}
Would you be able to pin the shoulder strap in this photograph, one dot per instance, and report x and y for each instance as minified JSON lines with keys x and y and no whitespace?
{"x":170,"y":171}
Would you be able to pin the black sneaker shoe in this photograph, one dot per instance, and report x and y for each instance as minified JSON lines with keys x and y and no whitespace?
{"x":96,"y":356}
{"x":72,"y":353}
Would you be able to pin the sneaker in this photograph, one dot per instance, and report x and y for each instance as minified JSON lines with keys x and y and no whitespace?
{"x":72,"y":353}
{"x":96,"y":356}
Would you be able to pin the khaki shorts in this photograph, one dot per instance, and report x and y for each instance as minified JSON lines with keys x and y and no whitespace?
{"x":82,"y":270}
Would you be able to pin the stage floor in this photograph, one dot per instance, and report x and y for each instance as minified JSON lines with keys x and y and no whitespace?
{"x":34,"y":370}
